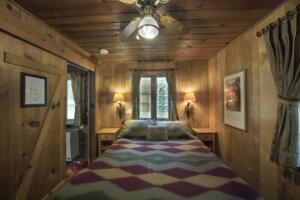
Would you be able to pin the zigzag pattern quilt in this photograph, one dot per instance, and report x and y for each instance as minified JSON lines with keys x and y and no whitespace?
{"x":131,"y":169}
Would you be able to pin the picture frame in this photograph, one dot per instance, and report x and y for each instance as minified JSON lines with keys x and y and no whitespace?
{"x":33,"y":90}
{"x":234,"y":88}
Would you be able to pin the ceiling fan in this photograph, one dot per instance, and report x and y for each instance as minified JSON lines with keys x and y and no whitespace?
{"x":147,"y":25}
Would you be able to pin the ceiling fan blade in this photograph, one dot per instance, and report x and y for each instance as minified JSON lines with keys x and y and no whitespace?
{"x":130,"y":28}
{"x":172,"y":24}
{"x":158,"y":3}
{"x":129,"y":2}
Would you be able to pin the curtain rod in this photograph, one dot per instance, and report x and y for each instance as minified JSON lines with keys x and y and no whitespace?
{"x":289,"y":15}
{"x":166,"y":69}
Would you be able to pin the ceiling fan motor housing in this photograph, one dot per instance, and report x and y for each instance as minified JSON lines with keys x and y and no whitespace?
{"x":148,"y":23}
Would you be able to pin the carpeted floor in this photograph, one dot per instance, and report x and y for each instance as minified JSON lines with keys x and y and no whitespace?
{"x":73,"y":168}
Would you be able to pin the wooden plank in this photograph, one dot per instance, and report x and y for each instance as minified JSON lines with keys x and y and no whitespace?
{"x":30,"y":63}
{"x":46,"y":10}
{"x":14,"y":26}
{"x":157,"y":59}
{"x":52,"y":167}
{"x":212,"y":88}
{"x":4,"y":134}
{"x":107,"y":130}
{"x":27,"y":180}
{"x":91,"y":38}
{"x":106,"y":33}
{"x":255,"y":105}
{"x":220,"y":14}
{"x":118,"y":26}
{"x":205,"y":130}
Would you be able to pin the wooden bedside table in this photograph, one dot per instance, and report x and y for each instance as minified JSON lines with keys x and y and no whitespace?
{"x":208,"y":137}
{"x":106,"y":137}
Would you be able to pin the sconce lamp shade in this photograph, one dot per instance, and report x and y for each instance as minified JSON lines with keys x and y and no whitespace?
{"x":189,"y":96}
{"x":118,"y":97}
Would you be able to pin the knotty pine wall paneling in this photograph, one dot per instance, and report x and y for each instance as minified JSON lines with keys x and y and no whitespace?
{"x":19,"y":22}
{"x":248,"y":152}
{"x":32,"y":158}
{"x":113,"y":77}
{"x":192,"y":76}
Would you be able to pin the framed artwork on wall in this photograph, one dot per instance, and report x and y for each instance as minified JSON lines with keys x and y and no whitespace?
{"x":235,"y":100}
{"x":33,"y":90}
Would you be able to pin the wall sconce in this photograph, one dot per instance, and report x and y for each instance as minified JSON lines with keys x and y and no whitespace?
{"x":118,"y":97}
{"x":189,"y":97}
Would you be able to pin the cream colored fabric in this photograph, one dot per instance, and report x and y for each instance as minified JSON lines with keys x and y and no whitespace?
{"x":283,"y":44}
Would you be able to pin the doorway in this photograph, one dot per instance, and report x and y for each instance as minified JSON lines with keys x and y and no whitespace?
{"x":77,"y":120}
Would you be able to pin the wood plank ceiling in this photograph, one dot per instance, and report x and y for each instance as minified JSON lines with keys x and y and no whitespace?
{"x":95,"y":24}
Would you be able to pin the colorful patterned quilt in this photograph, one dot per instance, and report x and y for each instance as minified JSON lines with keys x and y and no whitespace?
{"x":171,"y":170}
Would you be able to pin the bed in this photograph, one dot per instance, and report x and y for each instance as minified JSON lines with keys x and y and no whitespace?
{"x":179,"y":167}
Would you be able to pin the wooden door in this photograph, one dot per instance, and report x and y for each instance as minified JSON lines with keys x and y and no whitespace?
{"x":32,"y":140}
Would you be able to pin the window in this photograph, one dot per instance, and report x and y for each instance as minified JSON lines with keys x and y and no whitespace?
{"x":162,"y":102}
{"x":154,"y":98}
{"x":70,"y":103}
{"x":145,"y":98}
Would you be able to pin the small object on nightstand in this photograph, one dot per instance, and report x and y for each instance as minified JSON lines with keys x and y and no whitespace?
{"x":208,"y":137}
{"x":106,"y":137}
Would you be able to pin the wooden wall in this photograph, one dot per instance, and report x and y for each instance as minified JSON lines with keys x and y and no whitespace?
{"x":32,"y":140}
{"x":17,"y":21}
{"x":248,"y":152}
{"x":112,"y":77}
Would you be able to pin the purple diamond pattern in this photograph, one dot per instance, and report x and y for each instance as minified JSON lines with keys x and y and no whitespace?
{"x":135,"y":178}
{"x":201,"y":150}
{"x":185,"y":189}
{"x":170,"y":144}
{"x":131,"y":183}
{"x":136,"y":169}
{"x":143,"y":149}
{"x":99,"y":165}
{"x":179,"y":172}
{"x":221,"y":172}
{"x":239,"y":190}
{"x":145,"y":143}
{"x":117,"y":147}
{"x":195,"y":144}
{"x":173,"y":150}
{"x":83,"y":178}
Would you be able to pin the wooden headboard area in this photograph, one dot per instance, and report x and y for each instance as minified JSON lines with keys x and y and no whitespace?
{"x":190,"y":75}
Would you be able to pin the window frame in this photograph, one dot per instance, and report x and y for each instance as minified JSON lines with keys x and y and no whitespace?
{"x":154,"y":97}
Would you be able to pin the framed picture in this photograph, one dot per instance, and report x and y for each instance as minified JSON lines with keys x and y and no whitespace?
{"x":33,"y":90}
{"x":234,"y":100}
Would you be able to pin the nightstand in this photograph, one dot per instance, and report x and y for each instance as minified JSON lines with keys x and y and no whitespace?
{"x":106,"y":137}
{"x":207,"y":136}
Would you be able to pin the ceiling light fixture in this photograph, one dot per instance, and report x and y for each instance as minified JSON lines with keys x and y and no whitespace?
{"x":103,"y":51}
{"x":148,"y":27}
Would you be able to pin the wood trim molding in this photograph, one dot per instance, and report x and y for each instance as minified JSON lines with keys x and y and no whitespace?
{"x":30,"y":63}
{"x":11,"y":24}
{"x":56,"y":188}
{"x":32,"y":166}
